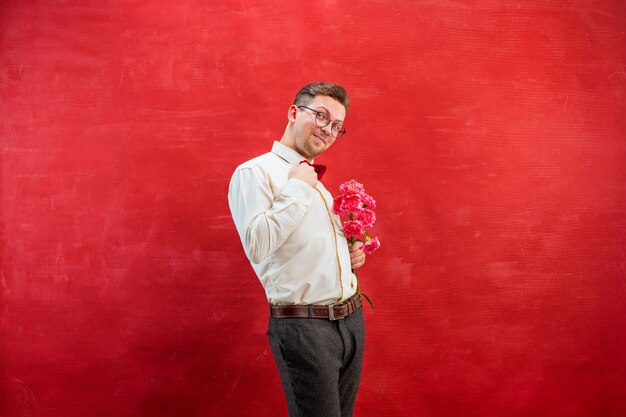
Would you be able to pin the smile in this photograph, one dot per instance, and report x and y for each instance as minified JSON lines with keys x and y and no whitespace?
{"x":321,"y":139}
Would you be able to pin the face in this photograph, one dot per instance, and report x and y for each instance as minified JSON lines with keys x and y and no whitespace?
{"x":308,"y":139}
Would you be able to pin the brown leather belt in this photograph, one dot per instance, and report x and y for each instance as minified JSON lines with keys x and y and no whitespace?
{"x":331,"y":312}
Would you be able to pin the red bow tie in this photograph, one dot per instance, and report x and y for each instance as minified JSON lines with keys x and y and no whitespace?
{"x":319,"y":169}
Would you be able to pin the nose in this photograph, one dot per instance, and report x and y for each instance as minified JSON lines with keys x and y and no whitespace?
{"x":325,"y":130}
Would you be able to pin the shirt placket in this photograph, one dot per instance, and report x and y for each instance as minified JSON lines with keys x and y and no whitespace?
{"x":332,"y":225}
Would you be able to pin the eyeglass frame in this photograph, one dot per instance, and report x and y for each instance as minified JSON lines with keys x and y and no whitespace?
{"x":340,"y":133}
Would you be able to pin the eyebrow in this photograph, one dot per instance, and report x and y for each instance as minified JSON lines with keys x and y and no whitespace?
{"x":328,"y":112}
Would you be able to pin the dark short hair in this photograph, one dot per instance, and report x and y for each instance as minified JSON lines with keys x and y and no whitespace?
{"x":308,"y":93}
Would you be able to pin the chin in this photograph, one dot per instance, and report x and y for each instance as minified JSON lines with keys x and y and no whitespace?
{"x":316,"y":152}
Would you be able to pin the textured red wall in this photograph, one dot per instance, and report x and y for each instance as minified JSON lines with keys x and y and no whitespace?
{"x":491,"y":132}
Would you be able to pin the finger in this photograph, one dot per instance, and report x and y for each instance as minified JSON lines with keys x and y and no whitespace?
{"x":354,"y":251}
{"x":357,"y":264}
{"x":355,"y":246}
{"x":357,"y":256}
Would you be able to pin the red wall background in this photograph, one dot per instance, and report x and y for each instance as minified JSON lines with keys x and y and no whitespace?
{"x":492,"y":134}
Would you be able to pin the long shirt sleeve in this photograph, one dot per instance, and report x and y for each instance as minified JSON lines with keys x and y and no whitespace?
{"x":292,"y":239}
{"x":263,"y":221}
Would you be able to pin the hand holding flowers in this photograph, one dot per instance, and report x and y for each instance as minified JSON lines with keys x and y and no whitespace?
{"x":358,"y":206}
{"x":357,"y":256}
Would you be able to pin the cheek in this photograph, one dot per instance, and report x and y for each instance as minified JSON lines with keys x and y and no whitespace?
{"x":302,"y":130}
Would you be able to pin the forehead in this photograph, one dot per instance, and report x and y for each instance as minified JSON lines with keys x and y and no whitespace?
{"x":336,"y":109}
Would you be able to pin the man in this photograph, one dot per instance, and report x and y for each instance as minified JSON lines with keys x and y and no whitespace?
{"x":302,"y":258}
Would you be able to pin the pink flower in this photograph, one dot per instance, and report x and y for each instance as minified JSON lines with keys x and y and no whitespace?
{"x":337,"y":206}
{"x":351,"y":204}
{"x":359,"y":207}
{"x":367,"y":218}
{"x":351,"y":187}
{"x":369,"y":201}
{"x":371,"y":246}
{"x":352,"y":228}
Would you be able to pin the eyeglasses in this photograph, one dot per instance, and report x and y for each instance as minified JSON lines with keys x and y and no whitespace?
{"x":322,"y":119}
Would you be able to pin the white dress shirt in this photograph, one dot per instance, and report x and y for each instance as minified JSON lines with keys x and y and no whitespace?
{"x":292,"y":238}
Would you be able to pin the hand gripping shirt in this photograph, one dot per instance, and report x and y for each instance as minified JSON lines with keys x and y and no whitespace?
{"x":289,"y":233}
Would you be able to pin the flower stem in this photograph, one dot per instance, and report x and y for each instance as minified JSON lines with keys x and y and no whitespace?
{"x":358,"y":289}
{"x":358,"y":283}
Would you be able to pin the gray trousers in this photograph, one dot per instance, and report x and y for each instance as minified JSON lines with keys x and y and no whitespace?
{"x":319,"y":362}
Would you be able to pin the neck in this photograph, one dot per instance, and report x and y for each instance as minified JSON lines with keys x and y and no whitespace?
{"x":287,"y":139}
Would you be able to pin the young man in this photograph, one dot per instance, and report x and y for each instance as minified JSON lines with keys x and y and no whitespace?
{"x":298,"y":250}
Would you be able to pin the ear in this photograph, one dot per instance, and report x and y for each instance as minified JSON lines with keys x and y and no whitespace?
{"x":291,"y":113}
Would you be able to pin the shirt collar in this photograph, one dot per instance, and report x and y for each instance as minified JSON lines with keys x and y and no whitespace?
{"x":288,"y":154}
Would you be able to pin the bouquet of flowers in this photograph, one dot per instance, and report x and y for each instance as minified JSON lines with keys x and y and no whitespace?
{"x":358,"y":206}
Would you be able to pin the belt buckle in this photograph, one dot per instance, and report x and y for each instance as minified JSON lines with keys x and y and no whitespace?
{"x":331,"y":313}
